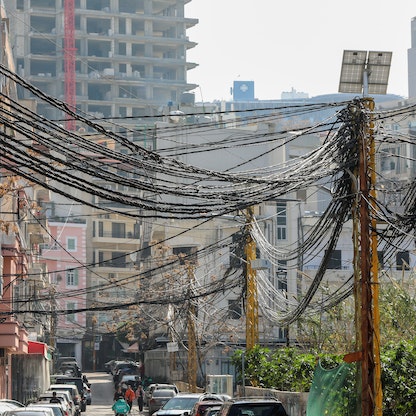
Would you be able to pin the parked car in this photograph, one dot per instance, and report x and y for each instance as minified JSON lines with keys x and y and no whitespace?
{"x":129,"y":379}
{"x":65,"y":359}
{"x":29,"y":411}
{"x":252,"y":407}
{"x":152,"y":387}
{"x":124,"y":368}
{"x":64,"y":396}
{"x":78,"y":381}
{"x":159,"y":398}
{"x":7,"y":406}
{"x":178,"y":405}
{"x":62,"y":404}
{"x":212,"y":411}
{"x":56,"y":407}
{"x":73,"y":391}
{"x":87,"y":393}
{"x":70,"y":368}
{"x":201,"y":406}
{"x":15,"y":403}
{"x":108,"y":366}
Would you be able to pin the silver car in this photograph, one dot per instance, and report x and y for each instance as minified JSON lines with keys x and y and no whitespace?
{"x":159,"y":398}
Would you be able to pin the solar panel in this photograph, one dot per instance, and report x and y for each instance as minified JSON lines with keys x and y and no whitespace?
{"x":362,"y":69}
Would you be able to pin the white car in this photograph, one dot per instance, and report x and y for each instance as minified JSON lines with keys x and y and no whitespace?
{"x":180,"y":404}
{"x":56,"y":407}
{"x":65,"y":398}
{"x":29,"y":411}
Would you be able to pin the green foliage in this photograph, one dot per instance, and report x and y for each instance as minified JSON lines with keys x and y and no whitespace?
{"x":285,"y":369}
{"x":398,"y":363}
{"x":397,"y":310}
{"x":290,"y":369}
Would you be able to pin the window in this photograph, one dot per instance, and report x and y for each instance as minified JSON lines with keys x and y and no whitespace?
{"x":281,"y":220}
{"x":402,"y":260}
{"x":72,"y":277}
{"x":100,"y":229}
{"x":234,"y":309}
{"x":118,"y":259}
{"x":334,"y":261}
{"x":71,"y":244}
{"x":71,"y":317}
{"x":380,"y":255}
{"x":118,"y":230}
{"x":185,"y":254}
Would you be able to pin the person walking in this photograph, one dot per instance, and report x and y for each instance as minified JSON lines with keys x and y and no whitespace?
{"x":129,"y":395}
{"x":118,"y":394}
{"x":140,"y":397}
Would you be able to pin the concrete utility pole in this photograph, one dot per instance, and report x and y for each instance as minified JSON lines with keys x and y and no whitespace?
{"x":192,"y":358}
{"x":252,"y":312}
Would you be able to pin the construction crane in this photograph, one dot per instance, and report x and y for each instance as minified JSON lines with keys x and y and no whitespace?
{"x":69,"y":60}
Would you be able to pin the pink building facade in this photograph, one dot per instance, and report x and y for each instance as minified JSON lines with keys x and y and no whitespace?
{"x":65,"y":258}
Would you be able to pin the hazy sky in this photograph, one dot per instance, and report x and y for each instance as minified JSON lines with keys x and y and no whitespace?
{"x":297,"y":44}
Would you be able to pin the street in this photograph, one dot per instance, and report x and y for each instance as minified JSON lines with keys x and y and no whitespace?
{"x":102,"y":389}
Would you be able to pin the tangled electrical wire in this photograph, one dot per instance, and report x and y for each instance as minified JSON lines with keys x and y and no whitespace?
{"x":162,"y":185}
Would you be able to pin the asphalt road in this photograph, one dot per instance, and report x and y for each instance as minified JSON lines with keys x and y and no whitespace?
{"x":102,"y":389}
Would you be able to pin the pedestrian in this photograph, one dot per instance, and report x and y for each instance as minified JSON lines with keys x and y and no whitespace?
{"x":118,"y":394}
{"x":140,"y":396}
{"x":54,"y":398}
{"x":129,"y":396}
{"x":120,"y":407}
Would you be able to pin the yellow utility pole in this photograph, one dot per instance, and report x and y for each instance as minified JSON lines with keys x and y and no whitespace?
{"x":252,"y":313}
{"x":378,"y":401}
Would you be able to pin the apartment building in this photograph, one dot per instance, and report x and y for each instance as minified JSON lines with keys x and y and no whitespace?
{"x":129,"y":56}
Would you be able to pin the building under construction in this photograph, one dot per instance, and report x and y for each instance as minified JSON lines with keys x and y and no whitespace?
{"x":109,"y":58}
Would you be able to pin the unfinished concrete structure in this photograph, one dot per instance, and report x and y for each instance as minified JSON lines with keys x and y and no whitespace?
{"x":130,"y":55}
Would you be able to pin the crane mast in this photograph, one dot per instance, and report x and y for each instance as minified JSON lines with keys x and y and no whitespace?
{"x":69,"y":60}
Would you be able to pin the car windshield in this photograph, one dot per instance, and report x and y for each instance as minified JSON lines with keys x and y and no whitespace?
{"x":180,"y":403}
{"x":163,"y":393}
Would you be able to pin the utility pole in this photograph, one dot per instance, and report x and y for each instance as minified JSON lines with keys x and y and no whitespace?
{"x":366,"y":72}
{"x":367,"y":330}
{"x":192,"y":358}
{"x":378,"y":401}
{"x":366,"y":274}
{"x":252,"y":312}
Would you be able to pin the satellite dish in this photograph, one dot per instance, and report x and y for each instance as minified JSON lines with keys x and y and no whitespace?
{"x":176,"y":116}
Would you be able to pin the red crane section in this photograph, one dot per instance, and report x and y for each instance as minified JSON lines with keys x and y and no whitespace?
{"x":69,"y":60}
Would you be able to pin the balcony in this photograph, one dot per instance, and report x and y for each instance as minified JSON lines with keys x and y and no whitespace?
{"x":13,"y":337}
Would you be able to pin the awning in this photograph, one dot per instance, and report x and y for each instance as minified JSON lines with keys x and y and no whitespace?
{"x":36,"y":347}
{"x":133,"y":347}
